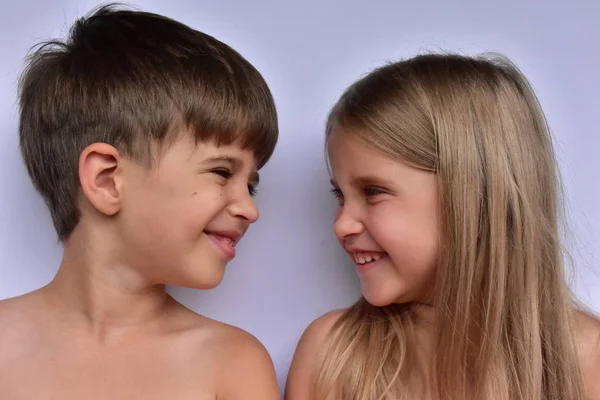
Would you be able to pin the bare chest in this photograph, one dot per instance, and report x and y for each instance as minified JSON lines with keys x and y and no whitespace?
{"x":118,"y":375}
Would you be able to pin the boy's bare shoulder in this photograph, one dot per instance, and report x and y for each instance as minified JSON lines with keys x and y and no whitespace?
{"x":12,"y":304}
{"x":300,"y":377}
{"x":225,"y":339}
{"x":243,"y":367}
{"x":214,"y":332}
{"x":589,"y":349}
{"x":16,"y":311}
{"x":18,"y":318}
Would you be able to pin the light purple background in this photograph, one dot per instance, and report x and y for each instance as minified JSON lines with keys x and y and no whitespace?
{"x":289,"y":269}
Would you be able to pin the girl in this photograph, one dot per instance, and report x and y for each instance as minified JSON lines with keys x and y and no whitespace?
{"x":447,"y":186}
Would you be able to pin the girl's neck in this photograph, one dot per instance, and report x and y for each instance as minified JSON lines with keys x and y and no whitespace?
{"x":423,"y":324}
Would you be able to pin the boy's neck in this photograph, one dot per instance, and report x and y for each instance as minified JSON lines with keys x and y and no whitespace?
{"x":107,"y":298}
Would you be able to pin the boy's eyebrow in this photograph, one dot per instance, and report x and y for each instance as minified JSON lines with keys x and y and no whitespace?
{"x":229,"y":159}
{"x":235,"y":163}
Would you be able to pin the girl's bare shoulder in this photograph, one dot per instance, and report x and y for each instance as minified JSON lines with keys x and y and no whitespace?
{"x":589,"y":349}
{"x":304,"y":362}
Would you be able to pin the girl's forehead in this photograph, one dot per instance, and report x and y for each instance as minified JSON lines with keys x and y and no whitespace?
{"x":351,"y":150}
{"x":342,"y":143}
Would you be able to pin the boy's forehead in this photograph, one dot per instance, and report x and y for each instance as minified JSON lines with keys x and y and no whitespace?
{"x":225,"y":152}
{"x":235,"y":155}
{"x":188,"y":150}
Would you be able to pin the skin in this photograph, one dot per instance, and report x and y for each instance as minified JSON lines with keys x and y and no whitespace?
{"x":389,"y":210}
{"x":104,"y":327}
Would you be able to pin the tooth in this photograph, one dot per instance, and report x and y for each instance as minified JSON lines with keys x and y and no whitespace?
{"x":361,"y":260}
{"x":368,"y":259}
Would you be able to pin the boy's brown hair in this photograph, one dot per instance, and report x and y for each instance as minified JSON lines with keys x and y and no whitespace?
{"x":133,"y":79}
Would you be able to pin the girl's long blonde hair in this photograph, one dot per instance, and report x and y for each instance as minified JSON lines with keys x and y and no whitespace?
{"x":505,"y":320}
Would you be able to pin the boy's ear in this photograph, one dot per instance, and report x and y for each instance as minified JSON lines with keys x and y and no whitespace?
{"x":100,"y":177}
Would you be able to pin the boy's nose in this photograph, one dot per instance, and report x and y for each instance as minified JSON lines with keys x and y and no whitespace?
{"x":245,"y":208}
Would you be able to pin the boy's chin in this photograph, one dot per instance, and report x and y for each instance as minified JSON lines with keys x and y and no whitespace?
{"x":201,"y":277}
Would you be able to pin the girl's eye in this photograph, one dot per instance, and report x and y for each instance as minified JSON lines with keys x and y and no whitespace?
{"x":337,"y":193}
{"x":225,"y":173}
{"x":252,"y":190}
{"x":372,"y":191}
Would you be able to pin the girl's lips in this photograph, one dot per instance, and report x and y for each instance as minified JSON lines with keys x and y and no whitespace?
{"x":366,"y":263}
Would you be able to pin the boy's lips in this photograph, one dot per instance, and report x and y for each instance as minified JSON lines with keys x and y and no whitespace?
{"x":225,"y":241}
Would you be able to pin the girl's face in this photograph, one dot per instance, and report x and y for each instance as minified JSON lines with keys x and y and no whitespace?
{"x":387,"y":221}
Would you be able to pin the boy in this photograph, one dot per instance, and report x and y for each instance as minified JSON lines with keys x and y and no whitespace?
{"x":144,"y":137}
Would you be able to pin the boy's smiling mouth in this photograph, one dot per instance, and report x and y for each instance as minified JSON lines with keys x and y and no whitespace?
{"x":233,"y":236}
{"x":225,"y":241}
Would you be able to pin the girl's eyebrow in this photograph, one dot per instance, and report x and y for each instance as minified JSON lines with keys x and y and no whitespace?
{"x":371,"y":180}
{"x":366,"y":180}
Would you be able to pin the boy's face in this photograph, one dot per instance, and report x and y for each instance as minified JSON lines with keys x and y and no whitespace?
{"x":180,"y":221}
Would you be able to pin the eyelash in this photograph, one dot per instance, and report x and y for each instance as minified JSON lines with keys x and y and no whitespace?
{"x":227,"y":175}
{"x":369,"y":192}
{"x":224,"y":173}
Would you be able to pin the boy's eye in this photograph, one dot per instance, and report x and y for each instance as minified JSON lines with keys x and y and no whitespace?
{"x":225,"y":173}
{"x":252,"y":190}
